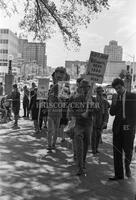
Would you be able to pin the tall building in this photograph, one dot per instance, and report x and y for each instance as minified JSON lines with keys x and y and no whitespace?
{"x":33,"y":52}
{"x":8,"y":47}
{"x":114,"y":51}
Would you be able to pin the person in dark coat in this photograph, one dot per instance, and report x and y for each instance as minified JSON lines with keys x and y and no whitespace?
{"x":101,"y":117}
{"x":26,"y":102}
{"x":34,"y":107}
{"x":123,"y":107}
{"x":43,"y":114}
{"x":15,"y":96}
{"x":1,"y":89}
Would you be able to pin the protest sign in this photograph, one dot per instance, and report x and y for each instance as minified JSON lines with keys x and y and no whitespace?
{"x":43,"y":87}
{"x":96,"y":67}
{"x":64,"y":89}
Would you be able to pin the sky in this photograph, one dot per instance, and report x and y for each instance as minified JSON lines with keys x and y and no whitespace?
{"x":118,"y":23}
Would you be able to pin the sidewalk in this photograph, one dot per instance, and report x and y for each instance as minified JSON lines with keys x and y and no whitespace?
{"x":27,"y":171}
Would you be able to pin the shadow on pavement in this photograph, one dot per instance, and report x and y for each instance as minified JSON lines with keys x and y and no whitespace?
{"x":28,"y":171}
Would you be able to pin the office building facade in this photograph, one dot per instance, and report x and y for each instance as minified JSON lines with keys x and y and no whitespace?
{"x":33,"y":53}
{"x":114,"y":51}
{"x":8,"y":48}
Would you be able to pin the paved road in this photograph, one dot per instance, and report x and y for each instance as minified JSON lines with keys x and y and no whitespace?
{"x":27,"y":171}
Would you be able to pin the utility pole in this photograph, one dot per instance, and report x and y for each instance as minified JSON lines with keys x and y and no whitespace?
{"x":132,"y":69}
{"x":77,"y":68}
{"x":9,"y":78}
{"x":128,"y":79}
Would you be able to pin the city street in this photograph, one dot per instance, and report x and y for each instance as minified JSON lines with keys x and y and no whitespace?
{"x":27,"y":171}
{"x":67,"y":65}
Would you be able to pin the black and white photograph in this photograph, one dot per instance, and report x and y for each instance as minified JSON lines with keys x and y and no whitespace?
{"x":67,"y":100}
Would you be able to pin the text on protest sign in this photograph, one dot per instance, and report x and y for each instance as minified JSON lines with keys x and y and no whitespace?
{"x":96,"y":67}
{"x":64,"y":89}
{"x":43,"y":87}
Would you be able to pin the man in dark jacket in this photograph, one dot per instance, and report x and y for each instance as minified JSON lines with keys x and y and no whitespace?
{"x":26,"y":102}
{"x":15,"y":96}
{"x":1,"y":89}
{"x":34,"y":108}
{"x":124,"y":109}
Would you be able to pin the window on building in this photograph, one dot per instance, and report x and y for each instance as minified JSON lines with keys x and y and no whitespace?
{"x":4,"y":31}
{"x":4,"y":51}
{"x":3,"y":41}
{"x":3,"y":64}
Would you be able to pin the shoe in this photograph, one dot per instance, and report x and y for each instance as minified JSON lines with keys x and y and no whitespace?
{"x":37,"y":131}
{"x":49,"y":148}
{"x":84,"y":166}
{"x":63,"y":140}
{"x":16,"y":127}
{"x":128,"y":172}
{"x":80,"y":172}
{"x":93,"y":152}
{"x":53,"y":146}
{"x":114,"y":178}
{"x":74,"y":157}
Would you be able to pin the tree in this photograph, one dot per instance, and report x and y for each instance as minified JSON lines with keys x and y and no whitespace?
{"x":42,"y":17}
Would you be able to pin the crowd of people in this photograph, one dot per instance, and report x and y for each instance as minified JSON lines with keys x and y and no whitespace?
{"x":81,"y":116}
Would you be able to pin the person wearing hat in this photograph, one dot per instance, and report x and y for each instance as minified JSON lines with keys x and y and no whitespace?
{"x":15,"y":96}
{"x":76,"y":93}
{"x":101,"y":117}
{"x":83,"y":125}
{"x":54,"y":111}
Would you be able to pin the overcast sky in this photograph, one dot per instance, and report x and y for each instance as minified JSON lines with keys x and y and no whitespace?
{"x":117,"y":23}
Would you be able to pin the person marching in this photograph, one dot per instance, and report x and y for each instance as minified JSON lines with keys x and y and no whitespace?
{"x":34,"y":107}
{"x":83,"y":125}
{"x":43,"y":114}
{"x":26,"y":102}
{"x":76,"y":93}
{"x":101,"y":117}
{"x":64,"y":118}
{"x":15,"y":96}
{"x":54,"y":112}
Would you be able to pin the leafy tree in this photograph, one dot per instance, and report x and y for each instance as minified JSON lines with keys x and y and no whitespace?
{"x":42,"y":17}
